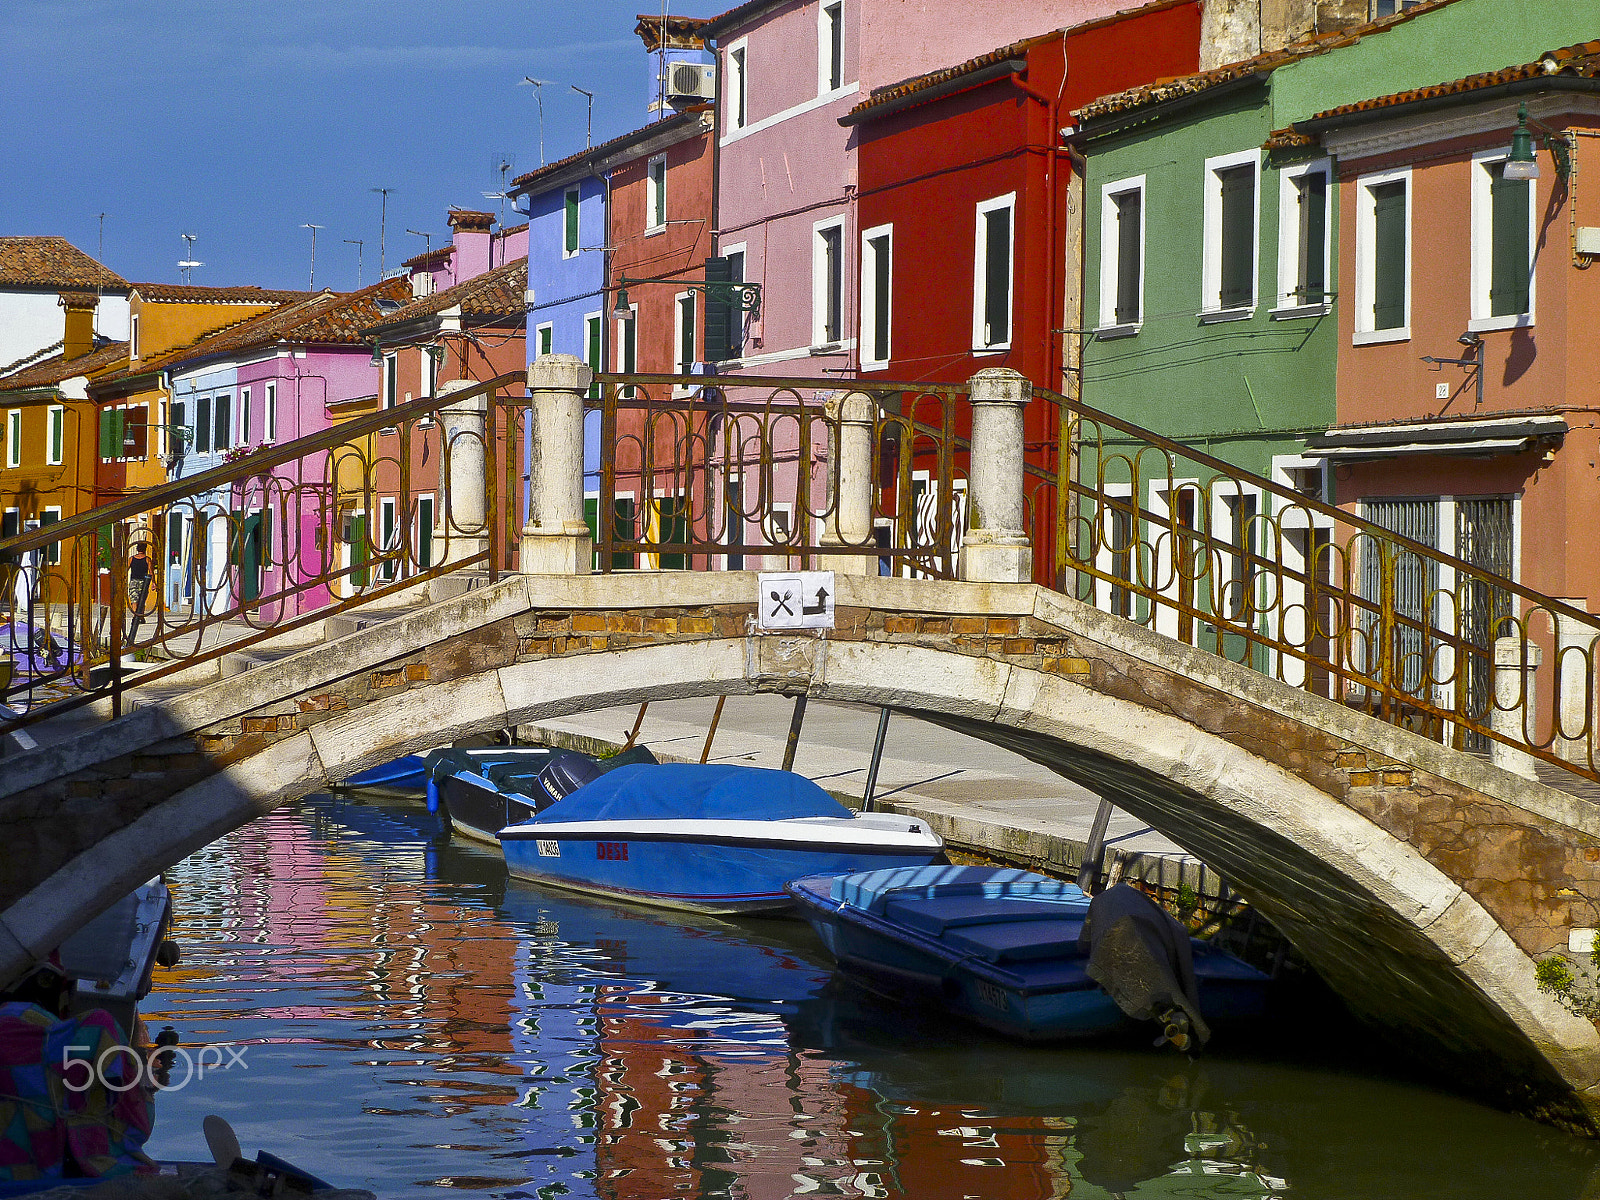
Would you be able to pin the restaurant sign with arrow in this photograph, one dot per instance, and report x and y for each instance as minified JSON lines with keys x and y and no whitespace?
{"x":796,"y":600}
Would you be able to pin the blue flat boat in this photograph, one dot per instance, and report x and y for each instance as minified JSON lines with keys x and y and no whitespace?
{"x":401,"y":774}
{"x":1000,"y":947}
{"x":714,"y":839}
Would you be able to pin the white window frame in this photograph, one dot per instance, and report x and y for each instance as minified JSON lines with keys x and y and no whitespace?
{"x":1211,"y":268}
{"x":1105,"y":556}
{"x":825,"y":84}
{"x":538,"y":338}
{"x":389,"y":510}
{"x":596,"y":318}
{"x":425,"y":529}
{"x":391,"y":379}
{"x":244,"y":416}
{"x":577,"y":239}
{"x":269,"y":415}
{"x":1364,"y":334}
{"x":679,"y":367}
{"x":737,"y":70}
{"x":13,"y":438}
{"x":1110,"y":255}
{"x":133,"y":335}
{"x":52,"y":552}
{"x":980,"y":275}
{"x":428,"y":371}
{"x":1483,"y":246}
{"x":221,"y":402}
{"x":1289,"y":305}
{"x":741,"y":249}
{"x":870,"y":298}
{"x":655,"y":194}
{"x":820,"y":283}
{"x":55,"y":415}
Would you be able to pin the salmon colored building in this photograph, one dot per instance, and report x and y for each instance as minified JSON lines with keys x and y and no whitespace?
{"x":1468,"y":367}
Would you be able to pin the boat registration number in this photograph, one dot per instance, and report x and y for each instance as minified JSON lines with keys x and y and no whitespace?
{"x":611,"y":850}
{"x":990,"y":994}
{"x":549,"y":848}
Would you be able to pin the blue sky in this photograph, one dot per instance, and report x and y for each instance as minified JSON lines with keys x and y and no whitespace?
{"x":239,"y":122}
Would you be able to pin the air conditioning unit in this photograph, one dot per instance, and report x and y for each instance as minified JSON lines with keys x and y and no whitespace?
{"x":690,"y":82}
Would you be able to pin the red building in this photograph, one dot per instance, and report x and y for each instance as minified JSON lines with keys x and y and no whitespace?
{"x":970,"y":209}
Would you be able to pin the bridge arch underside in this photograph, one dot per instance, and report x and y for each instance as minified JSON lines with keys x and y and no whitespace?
{"x":1410,"y":950}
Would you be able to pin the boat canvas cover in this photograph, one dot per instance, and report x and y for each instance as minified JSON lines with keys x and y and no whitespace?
{"x":1141,"y":956}
{"x":689,"y":791}
{"x":872,"y":891}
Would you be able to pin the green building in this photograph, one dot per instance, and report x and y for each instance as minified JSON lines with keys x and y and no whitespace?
{"x":1210,"y":279}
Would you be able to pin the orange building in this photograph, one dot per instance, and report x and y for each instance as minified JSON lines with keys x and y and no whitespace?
{"x":1468,"y":370}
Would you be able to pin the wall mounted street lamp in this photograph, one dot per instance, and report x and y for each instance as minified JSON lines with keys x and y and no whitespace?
{"x":1474,"y":344}
{"x":746,"y":295}
{"x":1523,"y":162}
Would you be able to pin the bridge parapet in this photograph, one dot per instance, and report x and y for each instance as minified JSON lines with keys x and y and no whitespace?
{"x":1424,"y":884}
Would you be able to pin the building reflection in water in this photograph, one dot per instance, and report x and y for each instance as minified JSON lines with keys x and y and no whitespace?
{"x":412,"y":1019}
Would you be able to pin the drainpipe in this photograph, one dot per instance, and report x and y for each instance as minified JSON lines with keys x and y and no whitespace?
{"x":1052,"y":107}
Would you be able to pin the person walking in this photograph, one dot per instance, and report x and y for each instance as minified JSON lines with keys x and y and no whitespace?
{"x":138,"y":585}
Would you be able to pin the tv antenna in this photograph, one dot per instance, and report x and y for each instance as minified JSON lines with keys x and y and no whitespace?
{"x":360,"y":249}
{"x":311,"y":284}
{"x":427,"y":240}
{"x":383,"y":224}
{"x":588,"y":137}
{"x":538,"y":87}
{"x":189,"y":262}
{"x":502,"y":163}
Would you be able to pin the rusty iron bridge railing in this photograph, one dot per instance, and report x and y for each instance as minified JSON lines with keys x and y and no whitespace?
{"x":702,"y":473}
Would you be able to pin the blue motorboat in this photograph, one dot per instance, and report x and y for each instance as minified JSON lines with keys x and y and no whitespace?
{"x":403,"y":774}
{"x":1006,"y":949}
{"x":481,"y":791}
{"x":716,"y":839}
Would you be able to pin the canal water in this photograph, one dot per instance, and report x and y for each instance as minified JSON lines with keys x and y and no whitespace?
{"x":383,"y":1006}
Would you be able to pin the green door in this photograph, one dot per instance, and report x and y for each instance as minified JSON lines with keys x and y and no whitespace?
{"x":247,"y":555}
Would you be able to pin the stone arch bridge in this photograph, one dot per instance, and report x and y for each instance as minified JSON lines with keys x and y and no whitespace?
{"x":1423,"y":883}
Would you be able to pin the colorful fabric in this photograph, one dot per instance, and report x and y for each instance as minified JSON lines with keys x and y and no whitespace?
{"x":73,"y":1100}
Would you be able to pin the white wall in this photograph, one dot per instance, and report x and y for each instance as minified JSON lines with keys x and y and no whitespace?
{"x":30,"y":321}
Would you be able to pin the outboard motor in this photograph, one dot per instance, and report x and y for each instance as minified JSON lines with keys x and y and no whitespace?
{"x":1141,"y":956}
{"x":565,"y":774}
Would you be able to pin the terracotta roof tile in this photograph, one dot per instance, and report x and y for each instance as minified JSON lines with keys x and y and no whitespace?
{"x":183,"y":293}
{"x":466,"y":218}
{"x":53,"y":262}
{"x":1288,"y":139}
{"x":527,"y":183}
{"x":1580,"y":61}
{"x":683,"y":33}
{"x":76,"y":299}
{"x":496,"y":293}
{"x":57,"y":367}
{"x":920,"y":83}
{"x":430,"y":258}
{"x":1262,"y":64}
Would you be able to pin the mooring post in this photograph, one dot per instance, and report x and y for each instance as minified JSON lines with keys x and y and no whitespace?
{"x":556,"y":539}
{"x":877,"y":759}
{"x":794,"y":731}
{"x":1094,"y":849}
{"x":461,"y":524}
{"x":1514,"y":714}
{"x":995,"y":548}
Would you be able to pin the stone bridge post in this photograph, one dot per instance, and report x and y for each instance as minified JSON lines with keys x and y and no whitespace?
{"x":996,"y":548}
{"x":1575,"y":648}
{"x":1514,"y":715}
{"x":461,"y":524}
{"x":849,"y":523}
{"x":556,"y":539}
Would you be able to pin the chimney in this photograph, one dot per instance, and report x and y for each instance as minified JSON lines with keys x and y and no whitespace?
{"x":77,"y":337}
{"x":470,"y":236}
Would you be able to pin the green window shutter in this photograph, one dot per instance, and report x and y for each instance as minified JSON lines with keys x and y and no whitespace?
{"x":358,"y":550}
{"x":1238,"y":237}
{"x":119,"y":425}
{"x":572,"y":222}
{"x":58,"y":423}
{"x":594,"y":354}
{"x":721,"y":311}
{"x":630,"y":346}
{"x":106,"y":450}
{"x":686,"y":357}
{"x":997,"y":276}
{"x":673,"y":529}
{"x":1313,"y":196}
{"x":52,"y":553}
{"x":624,"y":508}
{"x":1389,"y":256}
{"x":1508,"y":285}
{"x":1130,"y":207}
